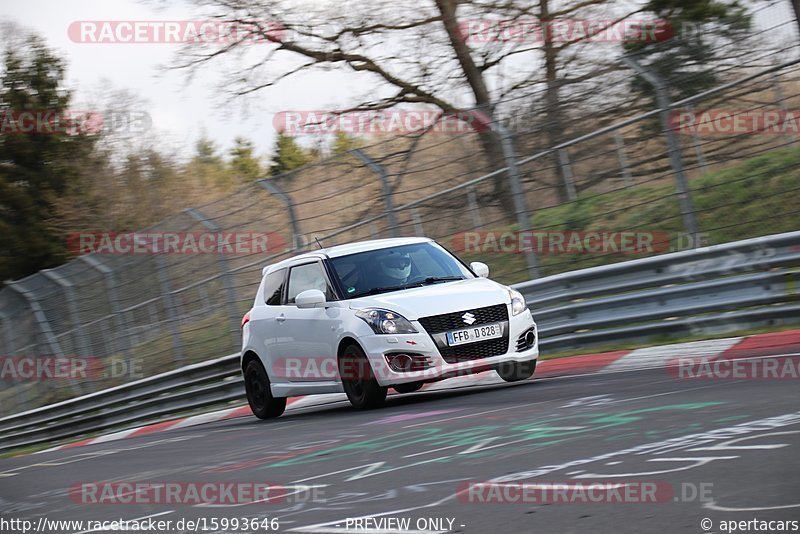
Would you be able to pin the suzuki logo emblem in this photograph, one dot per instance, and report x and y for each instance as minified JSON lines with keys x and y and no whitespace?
{"x":468,"y":318}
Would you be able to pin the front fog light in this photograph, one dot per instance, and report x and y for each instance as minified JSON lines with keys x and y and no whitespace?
{"x":517,"y":302}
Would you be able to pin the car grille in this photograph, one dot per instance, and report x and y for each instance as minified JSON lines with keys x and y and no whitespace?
{"x":436,"y":324}
{"x":453,"y":321}
{"x":475,"y":351}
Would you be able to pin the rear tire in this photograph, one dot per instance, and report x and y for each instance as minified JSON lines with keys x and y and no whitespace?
{"x":358,"y":380}
{"x":516,"y":371}
{"x":408,"y":387}
{"x":259,"y":395}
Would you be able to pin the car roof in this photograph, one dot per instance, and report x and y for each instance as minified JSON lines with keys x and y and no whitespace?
{"x":349,"y":248}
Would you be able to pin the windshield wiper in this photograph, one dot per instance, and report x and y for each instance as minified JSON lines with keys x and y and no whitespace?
{"x":434,"y":279}
{"x":375,"y":290}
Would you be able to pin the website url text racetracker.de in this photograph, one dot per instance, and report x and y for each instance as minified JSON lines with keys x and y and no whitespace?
{"x":46,"y":367}
{"x":151,"y":524}
{"x":191,"y":493}
{"x":572,"y":242}
{"x":586,"y":492}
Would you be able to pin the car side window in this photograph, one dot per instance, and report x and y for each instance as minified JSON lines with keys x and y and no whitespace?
{"x":273,"y":287}
{"x":350,"y":275}
{"x":308,"y":276}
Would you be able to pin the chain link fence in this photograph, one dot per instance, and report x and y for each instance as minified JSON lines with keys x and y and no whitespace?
{"x":621,"y":182}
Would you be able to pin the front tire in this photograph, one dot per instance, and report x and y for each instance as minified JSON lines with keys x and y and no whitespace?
{"x":408,"y":387}
{"x":516,"y":371}
{"x":259,"y":395}
{"x":358,"y":380}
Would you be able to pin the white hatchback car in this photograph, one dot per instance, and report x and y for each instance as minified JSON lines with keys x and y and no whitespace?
{"x":367,"y":316}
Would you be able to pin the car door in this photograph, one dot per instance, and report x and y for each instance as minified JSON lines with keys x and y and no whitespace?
{"x":306,"y":342}
{"x":263,"y":320}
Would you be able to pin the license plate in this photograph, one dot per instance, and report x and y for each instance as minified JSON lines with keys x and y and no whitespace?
{"x":474,"y":333}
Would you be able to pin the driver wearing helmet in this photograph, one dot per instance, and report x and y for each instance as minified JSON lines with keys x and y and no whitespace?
{"x":394,"y":267}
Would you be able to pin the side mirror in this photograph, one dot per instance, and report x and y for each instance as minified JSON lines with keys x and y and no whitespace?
{"x":310,"y":298}
{"x":479,"y":268}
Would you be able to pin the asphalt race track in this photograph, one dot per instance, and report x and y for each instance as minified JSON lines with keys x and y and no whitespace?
{"x":415,"y":460}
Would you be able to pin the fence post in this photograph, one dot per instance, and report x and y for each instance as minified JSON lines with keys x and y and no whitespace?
{"x":8,"y":336}
{"x":113,"y":301}
{"x":780,"y":101}
{"x":676,"y":161}
{"x":520,"y":202}
{"x":698,"y":146}
{"x":40,"y":317}
{"x":169,"y":306}
{"x":74,"y":315}
{"x":267,"y":184}
{"x":418,"y":229}
{"x":231,"y":299}
{"x":22,"y":397}
{"x":48,"y":335}
{"x":474,"y":209}
{"x":8,"y":348}
{"x":385,"y":187}
{"x":622,"y":157}
{"x":566,"y":172}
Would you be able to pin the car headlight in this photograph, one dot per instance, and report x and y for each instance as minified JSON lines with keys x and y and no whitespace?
{"x":517,"y":302}
{"x":385,"y":321}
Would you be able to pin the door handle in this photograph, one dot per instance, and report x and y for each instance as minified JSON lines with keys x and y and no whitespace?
{"x":280,"y":318}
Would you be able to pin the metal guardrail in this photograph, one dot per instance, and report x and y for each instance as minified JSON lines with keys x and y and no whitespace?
{"x":181,"y":390}
{"x":721,"y":288}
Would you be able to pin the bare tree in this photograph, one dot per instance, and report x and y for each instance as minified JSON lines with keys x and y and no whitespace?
{"x":435,"y":54}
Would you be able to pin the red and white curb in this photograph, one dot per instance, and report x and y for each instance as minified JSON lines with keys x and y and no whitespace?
{"x":617,"y":361}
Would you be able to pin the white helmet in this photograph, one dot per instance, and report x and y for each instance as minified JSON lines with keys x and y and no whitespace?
{"x":395,"y":265}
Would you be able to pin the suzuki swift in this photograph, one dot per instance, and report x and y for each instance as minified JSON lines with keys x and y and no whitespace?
{"x":368,"y":316}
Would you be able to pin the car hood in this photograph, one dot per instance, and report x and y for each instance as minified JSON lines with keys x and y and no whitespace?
{"x":436,"y":299}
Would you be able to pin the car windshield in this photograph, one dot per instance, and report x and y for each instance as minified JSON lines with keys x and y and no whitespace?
{"x":396,"y":268}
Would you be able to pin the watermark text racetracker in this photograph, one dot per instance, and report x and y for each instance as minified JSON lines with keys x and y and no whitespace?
{"x":584,"y":492}
{"x":398,"y":362}
{"x":72,"y":122}
{"x":563,"y":30}
{"x":574,"y":242}
{"x":126,"y":243}
{"x":192,"y":493}
{"x":762,"y":368}
{"x":371,"y":122}
{"x":39,"y":368}
{"x":722,"y":122}
{"x":174,"y":31}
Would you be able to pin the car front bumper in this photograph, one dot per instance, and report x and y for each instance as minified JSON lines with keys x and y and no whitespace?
{"x":377,"y":346}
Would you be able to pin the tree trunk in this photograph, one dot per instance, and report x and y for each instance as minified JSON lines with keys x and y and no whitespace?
{"x":553,"y":126}
{"x":493,"y":151}
{"x":490,"y":142}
